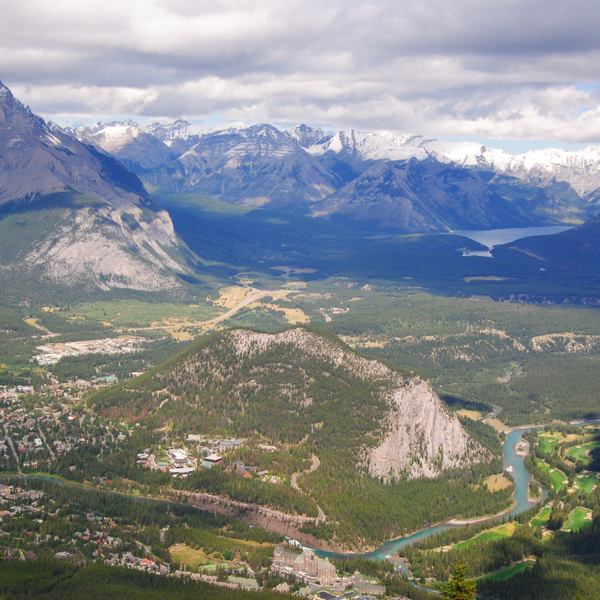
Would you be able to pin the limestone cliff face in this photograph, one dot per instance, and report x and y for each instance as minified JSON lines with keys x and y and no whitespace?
{"x":422,"y":437}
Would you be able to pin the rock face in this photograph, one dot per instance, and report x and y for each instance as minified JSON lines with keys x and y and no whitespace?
{"x":254,"y":165}
{"x":98,"y":223}
{"x":422,"y":438}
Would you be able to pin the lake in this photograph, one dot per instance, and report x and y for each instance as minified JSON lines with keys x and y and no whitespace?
{"x":496,"y":237}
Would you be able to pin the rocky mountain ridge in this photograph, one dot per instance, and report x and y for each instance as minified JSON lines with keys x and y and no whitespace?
{"x":307,"y":169}
{"x":99,"y":225}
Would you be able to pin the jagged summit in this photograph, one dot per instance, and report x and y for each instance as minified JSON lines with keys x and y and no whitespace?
{"x":307,"y":136}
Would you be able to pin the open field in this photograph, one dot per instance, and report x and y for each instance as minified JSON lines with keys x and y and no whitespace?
{"x":547,"y":442}
{"x":587,"y":482}
{"x":578,"y":519}
{"x":474,"y":415}
{"x":497,"y":482}
{"x":189,"y":556}
{"x":136,"y":313}
{"x":503,"y":531}
{"x":542,"y":518}
{"x":509,"y":571}
{"x":557,"y":477}
{"x":195,"y":558}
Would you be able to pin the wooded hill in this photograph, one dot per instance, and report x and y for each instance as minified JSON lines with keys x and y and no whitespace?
{"x":380,"y":433}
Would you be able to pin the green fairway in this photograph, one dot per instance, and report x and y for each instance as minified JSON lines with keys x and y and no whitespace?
{"x":587,"y":483}
{"x":579,"y":452}
{"x":497,"y":533}
{"x":509,"y":571}
{"x":547,"y":442}
{"x":541,"y":519}
{"x":556,"y":476}
{"x":577,"y":519}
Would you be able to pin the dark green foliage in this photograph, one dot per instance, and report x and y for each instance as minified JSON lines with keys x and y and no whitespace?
{"x":459,"y":587}
{"x":57,"y":581}
{"x":285,"y":395}
{"x":483,"y":433}
{"x":569,"y":564}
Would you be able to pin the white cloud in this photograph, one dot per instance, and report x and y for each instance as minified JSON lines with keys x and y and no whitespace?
{"x":492,"y":69}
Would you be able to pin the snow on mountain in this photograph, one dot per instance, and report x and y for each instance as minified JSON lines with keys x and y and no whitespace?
{"x":307,"y":136}
{"x":128,"y":142}
{"x":252,"y":165}
{"x":580,"y":169}
{"x":358,"y":148}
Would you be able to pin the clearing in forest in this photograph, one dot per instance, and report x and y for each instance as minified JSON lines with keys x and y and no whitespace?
{"x":495,"y":483}
{"x":580,"y":452}
{"x":587,"y":482}
{"x":491,"y":535}
{"x":474,"y":415}
{"x":542,"y":518}
{"x":578,"y":519}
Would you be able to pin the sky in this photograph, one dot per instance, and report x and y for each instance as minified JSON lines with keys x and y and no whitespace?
{"x":523,"y":73}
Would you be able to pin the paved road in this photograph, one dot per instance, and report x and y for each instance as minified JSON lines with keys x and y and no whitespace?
{"x":12,"y":447}
{"x":316,"y":463}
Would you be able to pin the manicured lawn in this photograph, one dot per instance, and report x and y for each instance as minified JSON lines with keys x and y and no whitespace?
{"x":577,"y":519}
{"x":541,"y":519}
{"x":509,"y":571}
{"x":547,"y":442}
{"x":587,"y":482}
{"x":497,"y":533}
{"x":556,"y":477}
{"x":579,"y":452}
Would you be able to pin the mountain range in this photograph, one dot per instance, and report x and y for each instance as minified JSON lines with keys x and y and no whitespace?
{"x":77,"y":207}
{"x":383,"y":179}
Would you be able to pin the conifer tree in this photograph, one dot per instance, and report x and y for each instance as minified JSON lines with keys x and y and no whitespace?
{"x":459,"y":587}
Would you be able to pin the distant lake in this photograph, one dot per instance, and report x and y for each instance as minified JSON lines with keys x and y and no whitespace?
{"x":497,"y":237}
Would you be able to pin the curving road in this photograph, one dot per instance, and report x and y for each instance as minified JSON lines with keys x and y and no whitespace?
{"x":316,"y":463}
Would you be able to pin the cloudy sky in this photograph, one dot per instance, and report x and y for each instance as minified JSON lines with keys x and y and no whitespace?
{"x":520,"y":70}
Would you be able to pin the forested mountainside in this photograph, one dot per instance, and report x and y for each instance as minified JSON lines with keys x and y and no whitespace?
{"x":577,"y":248}
{"x":379,"y":434}
{"x":302,"y":385}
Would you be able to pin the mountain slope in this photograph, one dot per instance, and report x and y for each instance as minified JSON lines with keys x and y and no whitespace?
{"x":138,"y":150}
{"x":406,"y":195}
{"x":280,"y":386}
{"x":259,"y":165}
{"x":103,"y":230}
{"x":577,"y":248}
{"x":390,"y":456}
{"x":252,"y":165}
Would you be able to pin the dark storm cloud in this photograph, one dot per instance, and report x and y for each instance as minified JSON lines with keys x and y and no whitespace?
{"x":497,"y":69}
